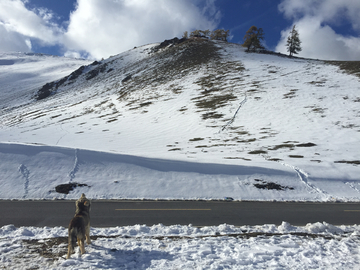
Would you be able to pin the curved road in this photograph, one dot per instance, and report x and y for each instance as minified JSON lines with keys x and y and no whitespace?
{"x":197,"y":213}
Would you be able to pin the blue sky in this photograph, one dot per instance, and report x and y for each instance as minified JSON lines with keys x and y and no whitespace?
{"x":329,"y":29}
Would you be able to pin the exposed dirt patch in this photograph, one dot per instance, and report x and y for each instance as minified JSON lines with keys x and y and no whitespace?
{"x":306,"y":144}
{"x":285,"y":145}
{"x":291,"y":94}
{"x":196,"y":139}
{"x":350,"y":67}
{"x":257,"y":152}
{"x":270,"y":185}
{"x":352,"y":162}
{"x":296,"y":156}
{"x":66,"y":188}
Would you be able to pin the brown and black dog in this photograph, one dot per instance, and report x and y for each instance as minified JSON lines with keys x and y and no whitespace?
{"x":79,"y":227}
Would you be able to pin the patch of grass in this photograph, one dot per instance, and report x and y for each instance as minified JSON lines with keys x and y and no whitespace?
{"x":291,"y":94}
{"x":196,"y":139}
{"x":350,"y":67}
{"x":246,"y":159}
{"x":296,"y":156}
{"x":201,"y":146}
{"x":274,"y":159}
{"x":112,"y":120}
{"x":318,"y":83}
{"x":145,"y":104}
{"x":66,"y":188}
{"x":316,"y":109}
{"x":212,"y":115}
{"x":270,"y":185}
{"x":175,"y":149}
{"x":257,"y":152}
{"x":246,"y":141}
{"x":214,"y":102}
{"x":280,"y":146}
{"x":352,"y":162}
{"x":306,"y":144}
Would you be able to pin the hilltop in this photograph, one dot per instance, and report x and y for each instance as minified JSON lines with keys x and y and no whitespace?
{"x":191,"y":119}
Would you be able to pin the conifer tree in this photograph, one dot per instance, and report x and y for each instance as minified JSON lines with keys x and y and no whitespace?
{"x":252,"y":39}
{"x":293,"y":42}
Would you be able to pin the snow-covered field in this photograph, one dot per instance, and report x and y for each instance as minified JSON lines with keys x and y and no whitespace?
{"x":200,"y":120}
{"x":315,"y":246}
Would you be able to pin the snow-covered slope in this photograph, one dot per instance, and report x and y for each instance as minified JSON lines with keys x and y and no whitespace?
{"x":199,"y":119}
{"x":21,"y":74}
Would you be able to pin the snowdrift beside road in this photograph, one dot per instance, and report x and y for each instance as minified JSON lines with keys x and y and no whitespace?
{"x":37,"y":172}
{"x":315,"y":246}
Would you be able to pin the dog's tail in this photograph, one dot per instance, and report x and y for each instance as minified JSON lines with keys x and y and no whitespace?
{"x":72,"y":241}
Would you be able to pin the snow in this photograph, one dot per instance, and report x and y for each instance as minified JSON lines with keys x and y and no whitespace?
{"x":210,"y":132}
{"x":292,"y":122}
{"x":314,"y":246}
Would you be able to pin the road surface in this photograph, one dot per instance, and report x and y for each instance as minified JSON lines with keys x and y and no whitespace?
{"x":197,"y":213}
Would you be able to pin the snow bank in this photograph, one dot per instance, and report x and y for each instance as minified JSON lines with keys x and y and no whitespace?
{"x":315,"y":246}
{"x":34,"y":172}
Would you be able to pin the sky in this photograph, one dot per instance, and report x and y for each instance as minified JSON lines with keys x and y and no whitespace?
{"x":95,"y":29}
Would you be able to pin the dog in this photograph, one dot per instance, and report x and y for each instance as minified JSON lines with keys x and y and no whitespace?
{"x":79,"y":227}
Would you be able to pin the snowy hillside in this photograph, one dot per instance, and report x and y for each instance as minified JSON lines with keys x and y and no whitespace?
{"x":195,"y":120}
{"x":21,"y":74}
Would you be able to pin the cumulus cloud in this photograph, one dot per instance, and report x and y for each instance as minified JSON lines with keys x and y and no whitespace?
{"x":316,"y":21}
{"x":13,"y":41}
{"x":100,"y":28}
{"x":18,"y":25}
{"x":107,"y":27}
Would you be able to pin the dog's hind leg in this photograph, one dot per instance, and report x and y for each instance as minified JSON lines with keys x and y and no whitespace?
{"x":81,"y":245}
{"x":71,"y":244}
{"x":87,"y":234}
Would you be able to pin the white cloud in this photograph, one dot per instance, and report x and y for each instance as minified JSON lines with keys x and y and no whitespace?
{"x":316,"y":21}
{"x":16,"y":18}
{"x":13,"y":41}
{"x":100,"y":28}
{"x":107,"y":27}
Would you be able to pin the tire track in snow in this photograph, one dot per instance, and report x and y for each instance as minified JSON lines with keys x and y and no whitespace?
{"x":73,"y":172}
{"x":303,"y":176}
{"x":26,"y":174}
{"x":351,"y":185}
{"x":233,"y":118}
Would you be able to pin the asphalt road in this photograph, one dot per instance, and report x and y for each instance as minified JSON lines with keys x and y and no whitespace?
{"x":197,"y":213}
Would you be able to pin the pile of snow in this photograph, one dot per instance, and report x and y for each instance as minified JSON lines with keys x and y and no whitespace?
{"x":315,"y":246}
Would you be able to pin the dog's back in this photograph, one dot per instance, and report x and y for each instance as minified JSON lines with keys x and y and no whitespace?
{"x":79,"y":227}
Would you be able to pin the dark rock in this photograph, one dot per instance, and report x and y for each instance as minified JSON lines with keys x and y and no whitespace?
{"x":128,"y":77}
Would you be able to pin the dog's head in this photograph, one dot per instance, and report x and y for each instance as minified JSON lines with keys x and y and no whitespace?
{"x":82,"y":204}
